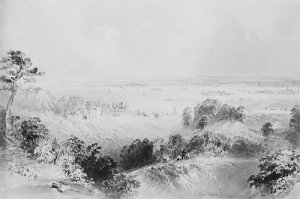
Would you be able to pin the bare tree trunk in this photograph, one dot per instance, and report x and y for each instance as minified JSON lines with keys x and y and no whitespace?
{"x":4,"y":121}
{"x":2,"y":127}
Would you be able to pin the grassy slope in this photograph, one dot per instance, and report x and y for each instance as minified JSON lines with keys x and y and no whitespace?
{"x":206,"y":178}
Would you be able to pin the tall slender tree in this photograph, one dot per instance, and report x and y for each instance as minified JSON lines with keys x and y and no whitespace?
{"x":18,"y":74}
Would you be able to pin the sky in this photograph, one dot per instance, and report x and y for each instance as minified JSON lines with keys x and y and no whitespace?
{"x":111,"y":39}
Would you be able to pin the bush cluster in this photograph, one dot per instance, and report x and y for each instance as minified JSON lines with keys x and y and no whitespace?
{"x":277,"y":172}
{"x":120,"y":185}
{"x":211,"y":109}
{"x":168,"y":174}
{"x":209,"y":142}
{"x":138,"y":153}
{"x":81,"y":163}
{"x":32,"y":131}
{"x":227,"y":112}
{"x":177,"y":146}
{"x":245,"y":147}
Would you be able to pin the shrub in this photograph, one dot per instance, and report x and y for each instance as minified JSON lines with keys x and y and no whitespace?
{"x":166,"y":175}
{"x":276,"y":173}
{"x":138,"y":153}
{"x":96,"y":166}
{"x":89,"y":160}
{"x":74,"y":170}
{"x":160,"y":149}
{"x":196,"y":144}
{"x":44,"y":152}
{"x":32,"y":131}
{"x":244,"y":147}
{"x":187,"y":116}
{"x":267,"y":129}
{"x":120,"y":185}
{"x":74,"y":146}
{"x":177,"y":145}
{"x":227,"y":112}
{"x":202,"y":123}
{"x":295,"y":120}
{"x":215,"y":143}
{"x":294,"y":133}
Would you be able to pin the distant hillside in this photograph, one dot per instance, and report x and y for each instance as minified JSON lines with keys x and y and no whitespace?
{"x":231,"y":129}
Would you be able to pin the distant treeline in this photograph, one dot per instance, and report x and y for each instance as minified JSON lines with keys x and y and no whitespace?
{"x":211,"y":109}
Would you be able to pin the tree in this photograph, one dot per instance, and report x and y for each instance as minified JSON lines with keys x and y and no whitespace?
{"x":187,"y":116}
{"x":267,"y":129}
{"x":209,"y":108}
{"x":202,"y":122}
{"x":239,"y":114}
{"x":295,"y":120}
{"x":18,"y":72}
{"x":294,"y":133}
{"x":138,"y":153}
{"x":197,"y":143}
{"x":177,"y":145}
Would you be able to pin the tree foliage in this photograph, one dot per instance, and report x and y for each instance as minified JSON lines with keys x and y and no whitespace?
{"x":138,"y":153}
{"x":208,"y":107}
{"x":245,"y":147}
{"x":227,"y":112}
{"x":295,"y":120}
{"x":32,"y":131}
{"x":276,"y":172}
{"x":187,"y":116}
{"x":95,"y":165}
{"x":177,"y":145}
{"x":202,"y":123}
{"x":267,"y":129}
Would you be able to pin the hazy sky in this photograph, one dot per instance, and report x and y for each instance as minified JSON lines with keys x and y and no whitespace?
{"x":137,"y":38}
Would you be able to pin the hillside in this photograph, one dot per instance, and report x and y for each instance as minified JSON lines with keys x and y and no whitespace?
{"x":205,"y":177}
{"x":231,"y":129}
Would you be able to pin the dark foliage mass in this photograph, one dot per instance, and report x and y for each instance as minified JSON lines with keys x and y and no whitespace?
{"x":202,"y":123}
{"x":197,"y":143}
{"x":295,"y":120}
{"x":267,"y":129}
{"x":177,"y":145}
{"x":138,"y":153}
{"x":211,"y":110}
{"x":227,"y":112}
{"x":276,"y":173}
{"x":209,"y":142}
{"x":208,"y":107}
{"x":74,"y":146}
{"x":293,"y":135}
{"x":96,"y":166}
{"x":120,"y":185}
{"x":245,"y":147}
{"x":32,"y":131}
